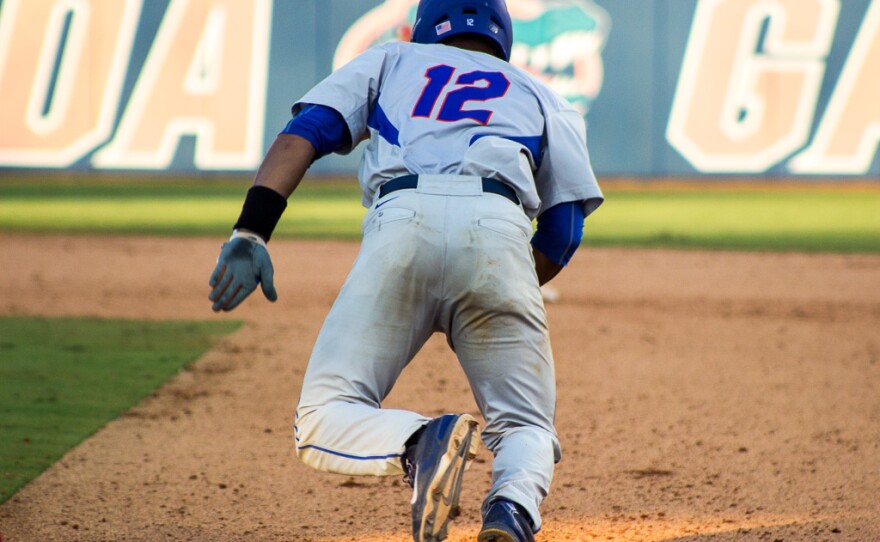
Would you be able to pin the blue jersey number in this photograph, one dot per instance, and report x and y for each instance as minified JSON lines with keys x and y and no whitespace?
{"x":476,"y":86}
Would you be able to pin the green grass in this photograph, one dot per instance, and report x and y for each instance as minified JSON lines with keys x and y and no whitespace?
{"x":805,"y":217}
{"x":162,"y":207}
{"x":62,"y":379}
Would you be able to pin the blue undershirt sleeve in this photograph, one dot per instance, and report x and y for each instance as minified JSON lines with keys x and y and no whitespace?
{"x":322,"y":126}
{"x":560,"y":230}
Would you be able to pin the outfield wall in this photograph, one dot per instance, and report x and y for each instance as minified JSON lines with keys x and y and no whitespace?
{"x":776,"y":88}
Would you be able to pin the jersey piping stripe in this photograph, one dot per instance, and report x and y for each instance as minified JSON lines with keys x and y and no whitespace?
{"x":532,"y":143}
{"x":339,"y":454}
{"x":378,"y":121}
{"x":349,"y":456}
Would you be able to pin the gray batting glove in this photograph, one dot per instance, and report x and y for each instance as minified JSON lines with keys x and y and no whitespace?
{"x":243,"y":263}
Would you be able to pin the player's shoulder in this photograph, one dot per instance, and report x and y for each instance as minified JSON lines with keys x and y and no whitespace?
{"x":392,"y":53}
{"x":394,"y":47}
{"x":378,"y":54}
{"x":551,"y":101}
{"x":432,"y":51}
{"x":397,"y":48}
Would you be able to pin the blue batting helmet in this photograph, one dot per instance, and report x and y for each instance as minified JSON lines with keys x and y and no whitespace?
{"x":437,"y":20}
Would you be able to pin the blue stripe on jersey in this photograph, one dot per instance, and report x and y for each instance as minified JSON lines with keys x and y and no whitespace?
{"x":532,"y":143}
{"x":379,"y":121}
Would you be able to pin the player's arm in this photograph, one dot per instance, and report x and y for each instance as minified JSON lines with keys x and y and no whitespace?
{"x":244,"y":260}
{"x":314,"y":132}
{"x":557,"y":237}
{"x":285,"y":164}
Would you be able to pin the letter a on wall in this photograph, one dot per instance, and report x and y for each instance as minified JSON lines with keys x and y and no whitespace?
{"x":62,"y":65}
{"x":849,"y":135}
{"x":206,"y":76}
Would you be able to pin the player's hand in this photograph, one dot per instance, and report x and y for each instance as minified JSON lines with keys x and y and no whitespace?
{"x":243,"y":263}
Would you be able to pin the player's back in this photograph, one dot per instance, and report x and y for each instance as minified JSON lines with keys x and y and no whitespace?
{"x":436,"y":102}
{"x":438,"y":109}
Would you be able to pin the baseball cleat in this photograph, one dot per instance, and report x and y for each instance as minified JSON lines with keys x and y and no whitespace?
{"x":505,"y":522}
{"x":436,"y":467}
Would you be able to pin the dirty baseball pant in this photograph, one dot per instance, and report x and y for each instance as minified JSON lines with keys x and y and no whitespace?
{"x":444,"y":257}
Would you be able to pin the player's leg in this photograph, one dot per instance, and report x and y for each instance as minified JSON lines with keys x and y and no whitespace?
{"x":499,"y":332}
{"x":513,"y":384}
{"x":381,"y":318}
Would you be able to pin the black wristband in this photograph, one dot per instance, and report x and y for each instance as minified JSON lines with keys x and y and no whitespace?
{"x":261,"y":211}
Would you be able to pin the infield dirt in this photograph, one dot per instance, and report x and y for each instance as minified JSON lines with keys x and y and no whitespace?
{"x":703,"y":396}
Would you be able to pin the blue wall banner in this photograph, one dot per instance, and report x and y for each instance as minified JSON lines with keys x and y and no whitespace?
{"x":775,"y":88}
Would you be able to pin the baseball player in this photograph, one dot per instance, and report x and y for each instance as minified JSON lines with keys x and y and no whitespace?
{"x":464,"y":151}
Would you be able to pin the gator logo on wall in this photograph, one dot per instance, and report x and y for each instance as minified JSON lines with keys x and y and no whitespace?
{"x":559,"y":41}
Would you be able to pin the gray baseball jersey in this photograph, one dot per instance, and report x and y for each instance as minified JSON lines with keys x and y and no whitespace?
{"x":515,"y":129}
